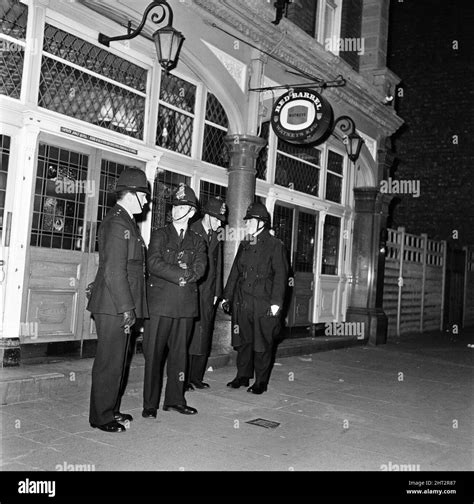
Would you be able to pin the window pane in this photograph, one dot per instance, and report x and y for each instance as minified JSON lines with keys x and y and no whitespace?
{"x":304,"y":254}
{"x":98,"y":60}
{"x":332,"y":227}
{"x":77,"y":94}
{"x":215,"y":111}
{"x":11,"y":69}
{"x":283,"y":225}
{"x":214,"y":149}
{"x":297,"y":175}
{"x":165,"y":183}
{"x":208,"y":189}
{"x":4,"y":159}
{"x":174,"y":131}
{"x":13,"y":18}
{"x":263,"y":154}
{"x":333,"y":188}
{"x":59,"y":204}
{"x":335,"y":162}
{"x":177,"y":92}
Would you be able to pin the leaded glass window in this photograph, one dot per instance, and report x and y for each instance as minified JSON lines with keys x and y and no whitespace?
{"x":176,"y":114}
{"x":283,"y":224}
{"x":107,"y":90}
{"x":262,"y":158}
{"x":165,"y":183}
{"x":304,"y":254}
{"x":13,"y":19}
{"x":208,"y":190}
{"x":60,"y":194}
{"x":4,"y":159}
{"x":335,"y":167}
{"x":216,"y":125}
{"x":298,"y":167}
{"x":331,"y":238}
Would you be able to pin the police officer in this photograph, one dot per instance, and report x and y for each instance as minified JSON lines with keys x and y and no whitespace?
{"x":210,"y":289}
{"x":254,"y":294}
{"x":117,"y":298}
{"x":177,"y":260}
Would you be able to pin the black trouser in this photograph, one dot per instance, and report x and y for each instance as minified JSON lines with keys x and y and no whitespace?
{"x":109,"y":369}
{"x":162,"y":333}
{"x":197,"y":368}
{"x":248,"y":360}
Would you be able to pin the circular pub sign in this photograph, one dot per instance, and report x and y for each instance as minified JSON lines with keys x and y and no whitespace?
{"x":301,"y":116}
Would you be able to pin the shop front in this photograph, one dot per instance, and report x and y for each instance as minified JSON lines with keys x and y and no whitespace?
{"x":76,"y":113}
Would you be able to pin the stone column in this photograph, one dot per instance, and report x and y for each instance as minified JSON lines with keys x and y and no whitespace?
{"x":368,"y":263}
{"x":243,"y":151}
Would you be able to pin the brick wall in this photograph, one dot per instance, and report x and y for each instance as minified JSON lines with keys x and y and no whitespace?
{"x":437,"y":104}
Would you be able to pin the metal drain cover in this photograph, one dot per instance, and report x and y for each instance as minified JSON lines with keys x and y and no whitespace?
{"x":268,"y":424}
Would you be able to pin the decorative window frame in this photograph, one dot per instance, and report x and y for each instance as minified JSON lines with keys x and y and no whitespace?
{"x":320,"y":35}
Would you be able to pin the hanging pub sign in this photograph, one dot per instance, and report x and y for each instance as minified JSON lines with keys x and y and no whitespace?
{"x":302,"y":117}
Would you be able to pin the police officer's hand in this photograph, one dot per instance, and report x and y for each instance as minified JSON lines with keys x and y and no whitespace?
{"x":128,"y":319}
{"x":225,"y":305}
{"x":183,"y":265}
{"x":274,"y":309}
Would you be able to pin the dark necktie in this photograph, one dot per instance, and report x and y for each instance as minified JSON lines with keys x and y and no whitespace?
{"x":209,"y":235}
{"x":181,"y":237}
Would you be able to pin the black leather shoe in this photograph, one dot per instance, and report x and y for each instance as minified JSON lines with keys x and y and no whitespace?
{"x":257,"y":388}
{"x":149,"y":413}
{"x":123,"y":417}
{"x":238,"y":382}
{"x":113,"y":426}
{"x":181,"y":408}
{"x":200,"y":384}
{"x":188,"y":387}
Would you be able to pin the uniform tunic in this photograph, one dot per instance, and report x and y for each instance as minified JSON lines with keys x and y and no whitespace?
{"x":119,"y":286}
{"x":257,"y":280}
{"x":172,"y":309}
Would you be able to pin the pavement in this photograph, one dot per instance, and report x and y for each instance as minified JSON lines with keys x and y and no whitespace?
{"x":403,"y":406}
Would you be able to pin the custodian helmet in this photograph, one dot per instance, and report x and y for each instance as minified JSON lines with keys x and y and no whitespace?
{"x":134,"y":180}
{"x":184,"y":195}
{"x":258,"y":211}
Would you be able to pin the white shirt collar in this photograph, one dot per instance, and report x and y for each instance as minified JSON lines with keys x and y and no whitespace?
{"x":179,"y":227}
{"x":128,"y":211}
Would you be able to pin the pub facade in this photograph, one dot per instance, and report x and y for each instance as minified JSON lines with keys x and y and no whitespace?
{"x":75,"y":113}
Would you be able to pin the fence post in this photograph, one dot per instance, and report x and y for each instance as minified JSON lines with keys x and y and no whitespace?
{"x":424,"y":237}
{"x":401,"y":230}
{"x":443,"y":287}
{"x":466,"y":271}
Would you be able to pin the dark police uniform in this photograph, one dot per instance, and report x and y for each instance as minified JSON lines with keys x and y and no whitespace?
{"x":119,"y":287}
{"x":257,"y":280}
{"x":172,"y":310}
{"x":210,"y":286}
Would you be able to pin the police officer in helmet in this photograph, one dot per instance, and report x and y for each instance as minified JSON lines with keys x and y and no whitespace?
{"x":117,"y":298}
{"x":254,"y":294}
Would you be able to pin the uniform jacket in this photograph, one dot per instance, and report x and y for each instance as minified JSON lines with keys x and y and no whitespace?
{"x":209,"y":285}
{"x":120,"y":283}
{"x":165,"y":296}
{"x":257,"y":280}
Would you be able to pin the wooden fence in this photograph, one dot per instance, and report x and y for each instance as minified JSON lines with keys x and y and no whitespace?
{"x":468,"y":307}
{"x":414,"y":286}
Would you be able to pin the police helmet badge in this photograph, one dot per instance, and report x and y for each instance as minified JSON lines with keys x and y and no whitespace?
{"x":180,"y":193}
{"x":223,"y":209}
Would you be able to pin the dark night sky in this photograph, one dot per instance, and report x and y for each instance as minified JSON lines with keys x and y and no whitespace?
{"x":437,"y":104}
